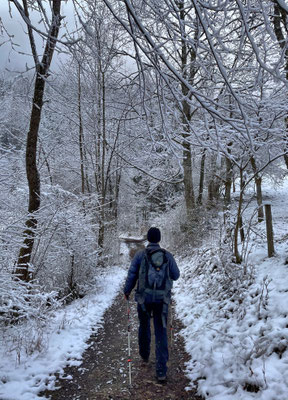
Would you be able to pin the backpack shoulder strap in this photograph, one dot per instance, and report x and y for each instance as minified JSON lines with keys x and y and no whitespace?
{"x":142,"y":276}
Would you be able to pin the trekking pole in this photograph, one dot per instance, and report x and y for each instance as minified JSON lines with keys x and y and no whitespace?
{"x":171,"y":326}
{"x":129,"y":341}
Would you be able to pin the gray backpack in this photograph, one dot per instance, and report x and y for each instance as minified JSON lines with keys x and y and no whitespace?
{"x":154,"y":281}
{"x":157,"y":269}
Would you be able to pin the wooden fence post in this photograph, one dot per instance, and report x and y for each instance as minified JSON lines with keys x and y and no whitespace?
{"x":269,"y":230}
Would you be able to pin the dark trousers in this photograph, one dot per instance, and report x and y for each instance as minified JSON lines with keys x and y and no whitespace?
{"x":153,"y":310}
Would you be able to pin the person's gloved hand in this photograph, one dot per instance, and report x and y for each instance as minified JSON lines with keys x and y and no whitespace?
{"x":126,"y":295}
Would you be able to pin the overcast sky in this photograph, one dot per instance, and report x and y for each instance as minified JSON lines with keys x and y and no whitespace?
{"x":9,"y":57}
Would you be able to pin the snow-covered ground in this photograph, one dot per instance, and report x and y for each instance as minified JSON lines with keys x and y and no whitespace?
{"x":237,"y":336}
{"x":22,"y":376}
{"x":236,"y":327}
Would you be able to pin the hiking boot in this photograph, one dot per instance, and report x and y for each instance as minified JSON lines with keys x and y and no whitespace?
{"x":161,"y":378}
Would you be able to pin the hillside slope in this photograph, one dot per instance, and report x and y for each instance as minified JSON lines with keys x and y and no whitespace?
{"x":236,"y":324}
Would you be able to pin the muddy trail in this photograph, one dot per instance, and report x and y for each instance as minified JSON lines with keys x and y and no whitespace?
{"x":103,"y":374}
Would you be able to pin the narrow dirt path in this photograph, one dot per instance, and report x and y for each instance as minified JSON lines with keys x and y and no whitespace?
{"x":103,"y":374}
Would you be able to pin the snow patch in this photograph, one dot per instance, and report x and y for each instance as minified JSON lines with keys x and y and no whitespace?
{"x":66,"y":338}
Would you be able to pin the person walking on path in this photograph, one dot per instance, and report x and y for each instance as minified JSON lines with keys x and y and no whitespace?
{"x":153,"y":269}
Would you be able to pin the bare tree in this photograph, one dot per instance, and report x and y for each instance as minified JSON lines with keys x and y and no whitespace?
{"x":42,"y":66}
{"x":280,"y":21}
{"x":235,"y":50}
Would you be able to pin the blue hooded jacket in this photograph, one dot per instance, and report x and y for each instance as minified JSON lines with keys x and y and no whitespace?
{"x":133,"y":272}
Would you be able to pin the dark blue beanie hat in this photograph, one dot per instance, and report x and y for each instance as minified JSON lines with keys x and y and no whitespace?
{"x":154,"y":235}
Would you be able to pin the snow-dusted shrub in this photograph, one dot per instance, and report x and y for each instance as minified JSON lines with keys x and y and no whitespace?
{"x":179,"y":235}
{"x":24,"y":312}
{"x":221,"y":277}
{"x":65,"y":253}
{"x":20,"y":301}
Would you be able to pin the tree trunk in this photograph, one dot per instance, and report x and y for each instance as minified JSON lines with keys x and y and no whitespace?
{"x":258,"y":183}
{"x":213,"y":184}
{"x":81,"y":138}
{"x":241,"y":226}
{"x":239,"y":223}
{"x":228,"y":182}
{"x":269,"y":230}
{"x":280,"y":16}
{"x":186,"y":114}
{"x":202,"y":175}
{"x":210,"y":191}
{"x":42,"y":68}
{"x":188,"y":180}
{"x":117,"y":192}
{"x":33,"y":180}
{"x":104,"y":182}
{"x":286,"y":144}
{"x":101,"y":232}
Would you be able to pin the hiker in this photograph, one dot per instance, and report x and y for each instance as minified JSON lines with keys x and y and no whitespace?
{"x":154,"y":268}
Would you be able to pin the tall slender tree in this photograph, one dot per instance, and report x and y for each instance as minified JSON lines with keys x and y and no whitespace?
{"x":42,"y":67}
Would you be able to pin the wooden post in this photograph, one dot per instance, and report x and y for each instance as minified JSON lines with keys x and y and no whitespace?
{"x":269,"y":230}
